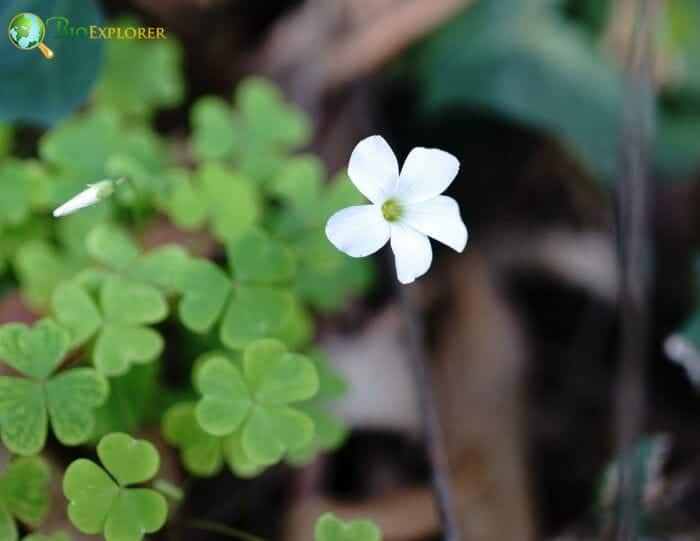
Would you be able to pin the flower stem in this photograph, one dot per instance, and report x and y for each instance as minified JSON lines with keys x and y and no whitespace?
{"x":430,"y":420}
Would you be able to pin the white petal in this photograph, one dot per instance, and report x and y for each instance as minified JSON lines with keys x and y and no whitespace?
{"x":87,"y":197}
{"x":412,"y":252}
{"x":426,"y":173}
{"x":358,"y":231}
{"x":438,"y":218}
{"x":373,"y":169}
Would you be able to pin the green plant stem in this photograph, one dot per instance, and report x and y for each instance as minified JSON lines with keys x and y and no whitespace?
{"x":215,"y":527}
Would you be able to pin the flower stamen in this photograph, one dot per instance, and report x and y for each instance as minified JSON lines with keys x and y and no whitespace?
{"x":391,"y":210}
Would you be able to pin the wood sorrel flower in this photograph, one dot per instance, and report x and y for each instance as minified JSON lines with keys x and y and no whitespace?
{"x":94,"y":193}
{"x":406,"y":208}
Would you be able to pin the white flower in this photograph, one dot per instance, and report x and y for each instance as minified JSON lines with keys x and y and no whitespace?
{"x":94,"y":193}
{"x":406,"y":208}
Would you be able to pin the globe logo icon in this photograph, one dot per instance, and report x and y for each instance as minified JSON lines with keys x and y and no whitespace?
{"x":27,"y":32}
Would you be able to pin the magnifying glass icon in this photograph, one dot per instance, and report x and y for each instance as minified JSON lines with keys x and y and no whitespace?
{"x":27,"y":31}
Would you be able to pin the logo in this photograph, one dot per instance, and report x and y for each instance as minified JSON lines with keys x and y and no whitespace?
{"x":27,"y":31}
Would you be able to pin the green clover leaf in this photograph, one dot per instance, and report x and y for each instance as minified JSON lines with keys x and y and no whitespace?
{"x":255,"y":303}
{"x":24,"y":495}
{"x":329,"y":431}
{"x":256,"y":136}
{"x":125,"y":309}
{"x":329,"y":528}
{"x":103,"y":501}
{"x":141,"y":76}
{"x":202,"y":453}
{"x":257,"y":399}
{"x":68,"y":399}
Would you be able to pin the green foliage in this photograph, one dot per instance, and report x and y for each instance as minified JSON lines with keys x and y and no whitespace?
{"x":102,"y":499}
{"x":23,"y":495}
{"x":256,"y":403}
{"x":326,"y":277}
{"x":125,"y":308}
{"x":204,"y":454}
{"x":140,"y":76}
{"x":255,"y":302}
{"x":68,"y":398}
{"x":329,"y":528}
{"x":255,"y":136}
{"x":97,"y":145}
{"x":256,"y":399}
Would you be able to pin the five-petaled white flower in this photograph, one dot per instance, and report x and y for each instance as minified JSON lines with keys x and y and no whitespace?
{"x":406,"y":208}
{"x":94,"y":193}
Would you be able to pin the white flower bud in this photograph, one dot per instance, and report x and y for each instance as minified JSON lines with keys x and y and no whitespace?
{"x":94,"y":193}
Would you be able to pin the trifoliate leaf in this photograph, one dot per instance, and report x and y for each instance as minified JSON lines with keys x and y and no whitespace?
{"x":254,"y":304}
{"x":124,"y":339}
{"x":67,"y":398}
{"x":24,"y":495}
{"x":256,"y":137}
{"x":99,"y":504}
{"x":329,"y":528}
{"x":141,"y":76}
{"x":256,"y":401}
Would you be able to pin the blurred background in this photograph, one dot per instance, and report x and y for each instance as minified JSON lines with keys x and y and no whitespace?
{"x":577,"y":125}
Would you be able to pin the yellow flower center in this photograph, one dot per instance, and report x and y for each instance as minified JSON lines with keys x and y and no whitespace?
{"x":391,"y":210}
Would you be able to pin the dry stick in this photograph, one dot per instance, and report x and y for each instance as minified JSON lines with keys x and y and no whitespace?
{"x":633,"y":201}
{"x":432,"y":430}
